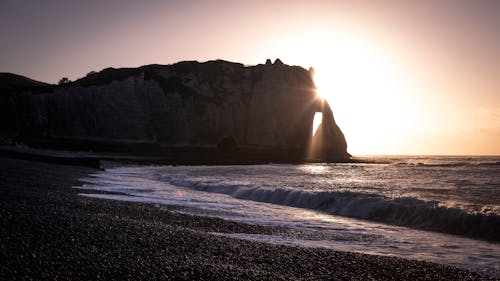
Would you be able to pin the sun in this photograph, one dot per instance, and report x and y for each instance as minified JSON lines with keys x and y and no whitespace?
{"x":364,"y":87}
{"x":368,"y":98}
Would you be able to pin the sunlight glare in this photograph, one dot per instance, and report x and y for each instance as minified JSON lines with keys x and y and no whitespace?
{"x":318,"y":116}
{"x":370,"y":99}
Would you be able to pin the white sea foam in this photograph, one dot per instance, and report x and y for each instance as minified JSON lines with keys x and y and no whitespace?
{"x":318,"y":199}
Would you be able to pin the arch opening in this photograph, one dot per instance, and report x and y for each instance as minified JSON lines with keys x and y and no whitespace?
{"x":318,"y":119}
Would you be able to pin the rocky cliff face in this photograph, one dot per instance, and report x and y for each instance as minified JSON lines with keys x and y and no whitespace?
{"x":188,"y":104}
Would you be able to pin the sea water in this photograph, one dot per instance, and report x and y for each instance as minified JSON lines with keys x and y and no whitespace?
{"x":440,"y":209}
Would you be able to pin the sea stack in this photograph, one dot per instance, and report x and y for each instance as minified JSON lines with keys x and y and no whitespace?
{"x":266,"y":109}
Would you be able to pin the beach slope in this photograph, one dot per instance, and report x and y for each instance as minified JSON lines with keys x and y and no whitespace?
{"x":48,"y":231}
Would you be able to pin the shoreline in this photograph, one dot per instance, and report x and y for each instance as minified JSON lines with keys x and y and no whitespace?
{"x":49,"y":232}
{"x":173,"y":156}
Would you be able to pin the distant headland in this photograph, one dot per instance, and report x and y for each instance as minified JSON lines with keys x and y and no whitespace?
{"x":187,"y":112}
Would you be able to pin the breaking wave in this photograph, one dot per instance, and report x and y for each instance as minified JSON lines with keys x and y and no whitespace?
{"x":402,"y":211}
{"x":456,"y":164}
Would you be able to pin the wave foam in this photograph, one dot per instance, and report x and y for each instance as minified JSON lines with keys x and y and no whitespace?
{"x":403,"y":211}
{"x":453,"y":164}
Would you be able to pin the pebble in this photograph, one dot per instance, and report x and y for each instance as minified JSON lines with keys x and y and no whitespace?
{"x":49,"y":232}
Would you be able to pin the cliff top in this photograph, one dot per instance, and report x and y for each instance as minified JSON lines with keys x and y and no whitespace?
{"x":10,"y":82}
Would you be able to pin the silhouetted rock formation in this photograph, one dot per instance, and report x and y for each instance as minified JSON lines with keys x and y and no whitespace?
{"x":13,"y":83}
{"x":278,"y":62}
{"x":264,"y":108}
{"x":322,"y":146}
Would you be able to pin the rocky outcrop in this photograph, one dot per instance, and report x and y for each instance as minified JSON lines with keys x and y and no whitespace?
{"x":268,"y":107}
{"x":322,"y":147}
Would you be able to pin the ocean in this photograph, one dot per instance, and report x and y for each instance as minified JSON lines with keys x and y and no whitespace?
{"x":439,"y":209}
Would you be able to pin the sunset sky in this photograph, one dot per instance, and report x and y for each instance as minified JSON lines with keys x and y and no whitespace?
{"x":402,"y":77}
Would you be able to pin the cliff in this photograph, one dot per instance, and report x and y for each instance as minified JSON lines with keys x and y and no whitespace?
{"x":216,"y":105}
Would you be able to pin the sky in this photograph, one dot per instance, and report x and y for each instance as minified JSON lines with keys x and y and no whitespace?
{"x":402,"y":77}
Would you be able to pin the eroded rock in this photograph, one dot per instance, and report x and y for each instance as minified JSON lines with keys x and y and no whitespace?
{"x":187,"y":104}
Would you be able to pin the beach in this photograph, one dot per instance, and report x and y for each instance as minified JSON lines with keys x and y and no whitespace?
{"x":49,"y":231}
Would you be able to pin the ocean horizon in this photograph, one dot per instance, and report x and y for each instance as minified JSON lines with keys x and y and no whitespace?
{"x":444,"y":209}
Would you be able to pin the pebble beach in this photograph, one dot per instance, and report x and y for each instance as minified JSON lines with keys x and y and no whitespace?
{"x":48,"y":231}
